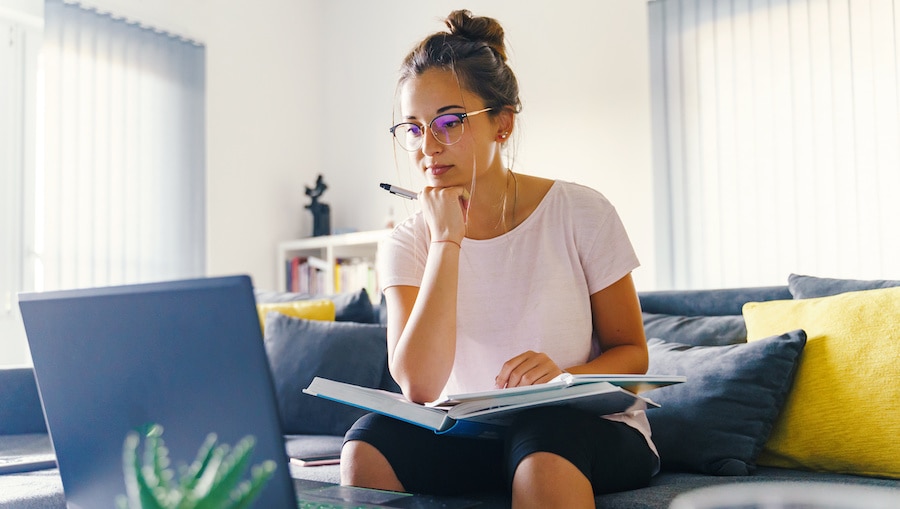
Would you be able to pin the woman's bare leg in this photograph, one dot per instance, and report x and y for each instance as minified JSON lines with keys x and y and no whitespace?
{"x":363,"y":465}
{"x":545,"y":479}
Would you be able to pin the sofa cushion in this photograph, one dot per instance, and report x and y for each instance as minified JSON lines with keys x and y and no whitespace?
{"x":348,"y":307}
{"x":810,"y":287}
{"x":717,"y":422}
{"x":843,"y":414}
{"x":300,"y":350}
{"x":20,"y":403}
{"x":696,"y":330}
{"x":313,"y":309}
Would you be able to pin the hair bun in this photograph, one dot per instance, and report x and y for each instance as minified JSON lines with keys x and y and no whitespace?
{"x":477,"y":29}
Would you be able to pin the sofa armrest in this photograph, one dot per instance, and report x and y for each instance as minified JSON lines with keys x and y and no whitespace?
{"x":20,"y":404}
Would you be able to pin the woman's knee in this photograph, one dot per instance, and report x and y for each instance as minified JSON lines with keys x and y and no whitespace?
{"x":544,"y":479}
{"x":363,"y":465}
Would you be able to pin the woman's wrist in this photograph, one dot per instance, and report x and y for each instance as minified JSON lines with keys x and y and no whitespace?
{"x":447,"y":241}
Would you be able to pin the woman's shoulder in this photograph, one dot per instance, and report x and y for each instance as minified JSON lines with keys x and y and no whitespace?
{"x":579,"y":190}
{"x":534,"y":186}
{"x":535,"y":182}
{"x":572,"y":194}
{"x":531,"y":192}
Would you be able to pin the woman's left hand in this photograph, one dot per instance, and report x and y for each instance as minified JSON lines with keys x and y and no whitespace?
{"x":528,"y":368}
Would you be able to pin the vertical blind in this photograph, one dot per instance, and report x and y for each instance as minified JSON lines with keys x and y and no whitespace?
{"x":12,"y":162}
{"x":776,"y":139}
{"x":121,"y":191}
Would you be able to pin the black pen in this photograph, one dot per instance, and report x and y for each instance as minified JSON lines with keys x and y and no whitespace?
{"x":399,"y":191}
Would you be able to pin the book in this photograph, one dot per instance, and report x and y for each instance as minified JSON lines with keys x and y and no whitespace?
{"x":27,"y":463}
{"x":633,"y":383}
{"x":317,"y":460}
{"x":485,"y":414}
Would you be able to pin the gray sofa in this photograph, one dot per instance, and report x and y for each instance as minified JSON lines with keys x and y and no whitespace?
{"x":709,"y":431}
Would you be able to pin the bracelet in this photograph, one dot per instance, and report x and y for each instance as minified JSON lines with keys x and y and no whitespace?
{"x":447,"y":240}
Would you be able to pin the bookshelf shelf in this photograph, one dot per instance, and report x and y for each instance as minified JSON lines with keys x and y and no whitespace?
{"x":330,"y":249}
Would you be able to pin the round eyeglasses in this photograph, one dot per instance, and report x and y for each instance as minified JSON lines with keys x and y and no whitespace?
{"x":447,"y":129}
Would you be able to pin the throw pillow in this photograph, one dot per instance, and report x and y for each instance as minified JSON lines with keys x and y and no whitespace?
{"x":348,"y":307}
{"x":354,"y":307}
{"x":321,"y":309}
{"x":696,"y":330}
{"x":717,"y":422}
{"x":809,"y":287}
{"x":843,"y":414}
{"x":300,"y":350}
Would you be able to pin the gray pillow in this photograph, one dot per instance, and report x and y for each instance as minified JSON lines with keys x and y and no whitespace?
{"x":299,"y":350}
{"x":696,"y":330}
{"x":717,"y":422}
{"x":809,"y":287}
{"x":348,"y":307}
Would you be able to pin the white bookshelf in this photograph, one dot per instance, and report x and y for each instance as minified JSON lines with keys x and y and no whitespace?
{"x":329,"y":248}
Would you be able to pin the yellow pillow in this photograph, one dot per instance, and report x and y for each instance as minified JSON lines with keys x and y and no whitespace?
{"x":318,"y":309}
{"x":843,"y":413}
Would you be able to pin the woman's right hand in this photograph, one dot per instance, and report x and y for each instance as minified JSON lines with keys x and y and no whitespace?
{"x":445,"y":210}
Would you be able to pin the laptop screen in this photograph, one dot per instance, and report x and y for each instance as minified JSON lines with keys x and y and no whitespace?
{"x":187,"y":355}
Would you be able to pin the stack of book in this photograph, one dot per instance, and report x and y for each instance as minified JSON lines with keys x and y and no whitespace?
{"x":314,"y":276}
{"x":351,"y":274}
{"x":307,"y":274}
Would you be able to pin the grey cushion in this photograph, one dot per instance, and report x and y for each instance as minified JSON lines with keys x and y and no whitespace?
{"x":729,"y":301}
{"x":696,"y":330}
{"x":809,"y":287}
{"x":717,"y":422}
{"x":348,"y":307}
{"x":20,"y":404}
{"x":299,"y":350}
{"x":381,"y":311}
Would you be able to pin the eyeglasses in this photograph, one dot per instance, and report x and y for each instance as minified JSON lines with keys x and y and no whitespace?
{"x":447,"y":129}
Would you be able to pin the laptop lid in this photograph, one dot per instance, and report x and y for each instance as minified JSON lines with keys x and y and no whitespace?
{"x":188,"y":355}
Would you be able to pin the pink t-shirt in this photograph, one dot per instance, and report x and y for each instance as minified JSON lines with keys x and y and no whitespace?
{"x":528,"y":289}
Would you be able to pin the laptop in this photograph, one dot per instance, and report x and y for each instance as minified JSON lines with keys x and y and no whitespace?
{"x":187,"y":355}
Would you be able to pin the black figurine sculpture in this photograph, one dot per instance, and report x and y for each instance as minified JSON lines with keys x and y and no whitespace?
{"x":321,"y":211}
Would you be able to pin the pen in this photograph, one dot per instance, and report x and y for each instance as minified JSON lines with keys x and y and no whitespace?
{"x":399,"y":191}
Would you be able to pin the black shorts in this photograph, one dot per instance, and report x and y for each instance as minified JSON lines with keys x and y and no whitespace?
{"x":612,"y":455}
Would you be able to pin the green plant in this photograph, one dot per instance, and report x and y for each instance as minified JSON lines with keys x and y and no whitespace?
{"x":212,"y":481}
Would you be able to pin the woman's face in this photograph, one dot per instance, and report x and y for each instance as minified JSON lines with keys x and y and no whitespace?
{"x":436,"y":92}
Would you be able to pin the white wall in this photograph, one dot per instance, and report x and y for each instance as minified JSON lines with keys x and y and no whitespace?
{"x":280,"y":71}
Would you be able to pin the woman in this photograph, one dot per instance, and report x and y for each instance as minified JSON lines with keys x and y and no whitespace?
{"x":501,"y":280}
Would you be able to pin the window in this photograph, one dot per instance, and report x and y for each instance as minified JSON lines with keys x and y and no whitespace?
{"x":102,"y":157}
{"x":20,"y":38}
{"x":776,"y":128}
{"x":122,"y":189}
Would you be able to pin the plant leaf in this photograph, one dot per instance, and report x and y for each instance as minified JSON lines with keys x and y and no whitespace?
{"x":207,"y":476}
{"x":229,"y":475}
{"x":131,"y":467}
{"x":212,"y":481}
{"x":249,"y":490}
{"x":191,"y":476}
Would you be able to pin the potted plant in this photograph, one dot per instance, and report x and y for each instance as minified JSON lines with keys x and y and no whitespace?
{"x":215,"y":480}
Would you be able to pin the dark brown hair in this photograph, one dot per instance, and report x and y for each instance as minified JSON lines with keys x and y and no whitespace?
{"x":474,"y":50}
